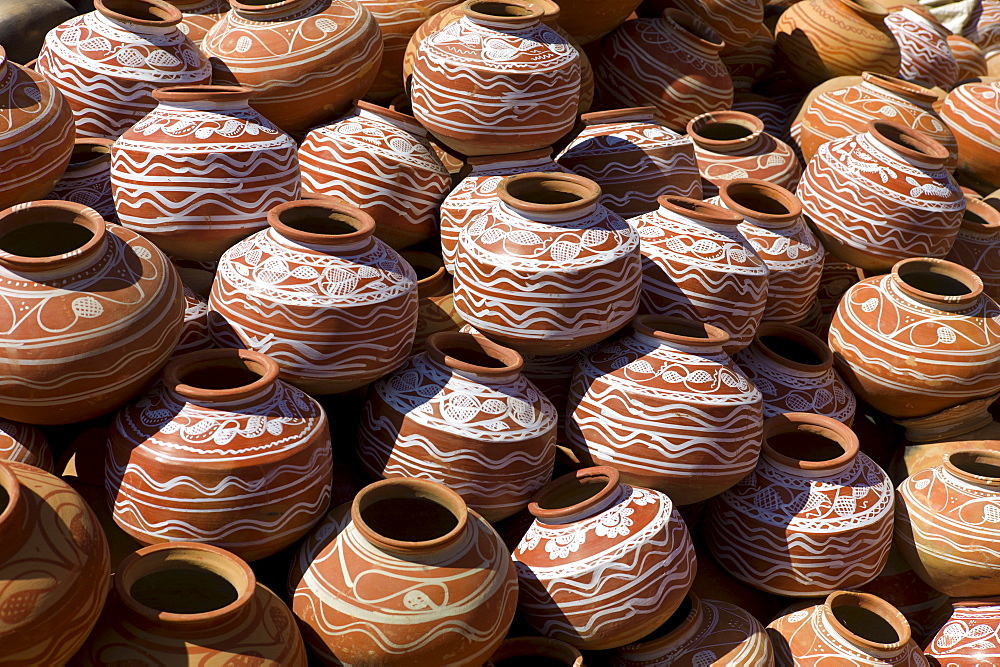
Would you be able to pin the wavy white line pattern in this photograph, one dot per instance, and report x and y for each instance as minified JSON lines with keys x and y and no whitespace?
{"x":873,"y":206}
{"x":736,"y":21}
{"x":836,"y":279}
{"x":910,"y":359}
{"x":333,"y":318}
{"x":359,"y":604}
{"x":609,"y":576}
{"x":773,"y":113}
{"x":199,"y":17}
{"x":968,"y":56}
{"x":24,"y":443}
{"x":926,"y":56}
{"x":972,"y":112}
{"x":466,"y":74}
{"x":379,"y":161}
{"x":758,"y":155}
{"x":88,"y":183}
{"x":969,"y":635}
{"x":634,"y":159}
{"x":547,"y":287}
{"x":785,"y":532}
{"x":983,"y":26}
{"x":194,"y":334}
{"x":106,"y":70}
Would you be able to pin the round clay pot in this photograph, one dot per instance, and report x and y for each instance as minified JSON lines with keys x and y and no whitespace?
{"x":587,"y":525}
{"x":465,"y":75}
{"x":461,"y":414}
{"x":775,"y":227}
{"x":818,"y":40}
{"x":945,"y":527}
{"x":304,"y":60}
{"x":633,"y":158}
{"x":977,"y":245}
{"x":535,"y":650}
{"x":187,"y":603}
{"x":24,"y":443}
{"x":36,"y":134}
{"x":700,"y":628}
{"x":54,"y":567}
{"x":254,"y":451}
{"x":87,"y":179}
{"x":547,"y":270}
{"x":697,"y":265}
{"x":750,"y":62}
{"x":969,"y":634}
{"x":919,"y":340}
{"x":96,"y":307}
{"x":404,"y":549}
{"x":379,"y":160}
{"x":882,"y":196}
{"x":317,"y":292}
{"x":815,"y":515}
{"x":227,"y":166}
{"x":968,"y":57}
{"x":195,"y":335}
{"x":667,"y":408}
{"x":972,"y":112}
{"x":736,"y":21}
{"x":983,"y":25}
{"x":793,"y":370}
{"x":925,"y":55}
{"x":476,"y":193}
{"x":848,"y":629}
{"x":108,"y":62}
{"x":435,"y":300}
{"x":671,"y":63}
{"x":199,"y":16}
{"x":733,"y":144}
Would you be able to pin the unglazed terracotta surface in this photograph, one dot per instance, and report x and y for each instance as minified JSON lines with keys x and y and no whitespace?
{"x":435,"y":298}
{"x":969,"y":58}
{"x":969,"y":635}
{"x":977,"y":245}
{"x":24,"y":443}
{"x":926,"y":57}
{"x":971,"y":111}
{"x":194,"y":334}
{"x":199,"y":16}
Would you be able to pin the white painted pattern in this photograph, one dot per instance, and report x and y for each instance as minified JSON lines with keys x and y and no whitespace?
{"x":926,"y":57}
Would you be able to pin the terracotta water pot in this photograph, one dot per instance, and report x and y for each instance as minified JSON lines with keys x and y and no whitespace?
{"x":87,"y":179}
{"x":199,"y":16}
{"x":925,"y":55}
{"x":379,"y":160}
{"x":547,"y":270}
{"x":945,"y":524}
{"x":667,"y":408}
{"x":317,"y":292}
{"x":815,"y":515}
{"x":919,"y":340}
{"x":108,"y":62}
{"x":435,"y":299}
{"x":305,"y":60}
{"x":836,"y":279}
{"x":818,"y":40}
{"x":96,"y":307}
{"x":24,"y":443}
{"x":587,"y":526}
{"x":633,"y":158}
{"x":227,"y":165}
{"x":36,"y":134}
{"x":882,"y":196}
{"x":462,"y":414}
{"x":977,"y":244}
{"x":972,"y":111}
{"x":465,"y":75}
{"x":54,"y":567}
{"x":969,"y":634}
{"x":969,"y":58}
{"x":983,"y":25}
{"x":254,"y":453}
{"x":404,"y":550}
{"x":849,"y":628}
{"x":697,"y":265}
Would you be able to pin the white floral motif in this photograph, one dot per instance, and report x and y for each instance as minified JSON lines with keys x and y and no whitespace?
{"x":563,"y":544}
{"x":615,"y":522}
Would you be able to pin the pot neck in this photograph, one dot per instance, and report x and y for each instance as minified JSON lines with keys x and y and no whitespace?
{"x":906,"y":145}
{"x":793,"y":349}
{"x":14,"y":513}
{"x":679,"y":334}
{"x":203,"y":97}
{"x":980,"y":219}
{"x":432,"y":279}
{"x":322,"y":224}
{"x":473,"y":356}
{"x":761,"y":203}
{"x":975,"y":467}
{"x":936,"y":283}
{"x":615,"y":116}
{"x":950,"y":424}
{"x":142,"y":17}
{"x":831,"y":446}
{"x":502,"y":15}
{"x":726,"y":132}
{"x":549,"y":196}
{"x":50,"y":238}
{"x":221,"y":377}
{"x":883,"y":85}
{"x":862,"y":620}
{"x":269,"y":11}
{"x":576,"y":496}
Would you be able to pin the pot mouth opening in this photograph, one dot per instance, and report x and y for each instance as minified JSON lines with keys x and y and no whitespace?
{"x":321,"y":221}
{"x":980,"y":216}
{"x":40,"y":234}
{"x":220,"y":374}
{"x":760,"y":200}
{"x":143,"y":12}
{"x":977,"y":465}
{"x":808,"y":442}
{"x":545,"y":190}
{"x":539,"y":651}
{"x":184,"y":590}
{"x":795,"y":346}
{"x":868,"y":620}
{"x":725,"y":127}
{"x":409,"y":514}
{"x":202,"y":93}
{"x":574,"y":492}
{"x":680,"y":330}
{"x":45,"y":239}
{"x":699,"y":210}
{"x":937,"y":280}
{"x":87,"y":151}
{"x":907,"y":88}
{"x":425,"y":265}
{"x":907,"y":141}
{"x":472,"y":353}
{"x":500,"y":9}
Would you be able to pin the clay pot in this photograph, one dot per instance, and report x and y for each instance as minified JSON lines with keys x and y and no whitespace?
{"x":304,"y":60}
{"x":97,"y":308}
{"x":461,"y":414}
{"x":199,"y":16}
{"x":633,"y":158}
{"x":945,"y":527}
{"x":435,"y":301}
{"x":817,"y":40}
{"x":815,"y":515}
{"x":971,"y":111}
{"x":968,"y":57}
{"x":227,"y":166}
{"x":476,"y":193}
{"x":750,"y":62}
{"x":187,"y":603}
{"x":736,"y":21}
{"x":586,"y":526}
{"x":254,"y":451}
{"x":87,"y":179}
{"x":36,"y":134}
{"x":733,"y":144}
{"x":667,"y":408}
{"x":919,"y":340}
{"x":535,"y":650}
{"x":547,"y":270}
{"x":926,"y":57}
{"x":849,"y":629}
{"x":404,"y":549}
{"x":317,"y":292}
{"x":195,"y":335}
{"x":775,"y":227}
{"x":793,"y":370}
{"x":379,"y":160}
{"x":977,"y":245}
{"x":969,"y":635}
{"x":108,"y":62}
{"x":588,"y":22}
{"x":700,"y":628}
{"x":882,"y":196}
{"x":23,"y":25}
{"x":983,"y":25}
{"x":53,"y":567}
{"x":461,"y":93}
{"x":24,"y":443}
{"x":697,"y":265}
{"x":671,"y":63}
